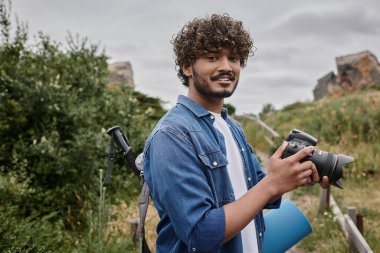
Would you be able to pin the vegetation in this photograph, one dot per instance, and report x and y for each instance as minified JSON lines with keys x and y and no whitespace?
{"x":267,"y":108}
{"x":343,"y":124}
{"x":347,"y":125}
{"x":55,"y":107}
{"x":231,"y":109}
{"x":54,"y":111}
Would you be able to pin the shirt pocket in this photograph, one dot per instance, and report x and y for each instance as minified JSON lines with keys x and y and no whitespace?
{"x":217,"y":174}
{"x":214,"y":160}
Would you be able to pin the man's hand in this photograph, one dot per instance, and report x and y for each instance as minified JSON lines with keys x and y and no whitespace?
{"x":289,"y":173}
{"x":314,"y":178}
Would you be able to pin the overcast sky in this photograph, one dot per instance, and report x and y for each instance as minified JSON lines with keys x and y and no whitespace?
{"x":296,"y":40}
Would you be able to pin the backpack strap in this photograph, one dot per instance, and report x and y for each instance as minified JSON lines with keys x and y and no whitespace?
{"x":111,"y":160}
{"x":143,"y":208}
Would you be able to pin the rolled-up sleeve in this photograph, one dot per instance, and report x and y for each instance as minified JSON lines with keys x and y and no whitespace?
{"x":180,"y":188}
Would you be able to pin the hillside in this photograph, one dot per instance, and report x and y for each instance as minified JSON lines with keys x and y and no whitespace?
{"x":343,"y":124}
{"x":347,"y":125}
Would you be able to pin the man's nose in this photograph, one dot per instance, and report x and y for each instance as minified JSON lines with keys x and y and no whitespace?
{"x":224,"y":64}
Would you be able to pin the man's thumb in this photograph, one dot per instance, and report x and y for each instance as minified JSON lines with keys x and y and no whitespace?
{"x":280,"y":150}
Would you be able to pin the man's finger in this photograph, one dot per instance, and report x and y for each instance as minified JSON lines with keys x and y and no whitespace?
{"x":314,"y":175}
{"x":302,"y":153}
{"x":325,"y":182}
{"x":305,"y":173}
{"x":280,"y":150}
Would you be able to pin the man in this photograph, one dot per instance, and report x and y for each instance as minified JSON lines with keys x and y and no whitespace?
{"x":206,"y":184}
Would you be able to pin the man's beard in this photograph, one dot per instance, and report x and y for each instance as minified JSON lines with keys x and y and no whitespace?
{"x":203,"y":86}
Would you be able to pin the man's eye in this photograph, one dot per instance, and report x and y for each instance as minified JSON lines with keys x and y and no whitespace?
{"x":212,"y":58}
{"x":234,"y":58}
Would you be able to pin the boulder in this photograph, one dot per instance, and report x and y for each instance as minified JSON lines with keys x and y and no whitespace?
{"x":354,"y":72}
{"x":120,"y":73}
{"x":324,"y":85}
{"x":357,"y":70}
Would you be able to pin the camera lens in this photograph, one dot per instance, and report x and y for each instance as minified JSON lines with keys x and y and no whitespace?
{"x":327,"y":164}
{"x":330,"y":165}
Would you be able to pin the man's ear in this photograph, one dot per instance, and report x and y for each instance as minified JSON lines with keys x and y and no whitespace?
{"x":187,"y":70}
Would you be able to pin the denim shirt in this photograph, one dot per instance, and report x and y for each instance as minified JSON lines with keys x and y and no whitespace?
{"x":185,"y":166}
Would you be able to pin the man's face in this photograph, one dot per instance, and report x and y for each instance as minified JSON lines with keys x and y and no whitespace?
{"x":215,"y":74}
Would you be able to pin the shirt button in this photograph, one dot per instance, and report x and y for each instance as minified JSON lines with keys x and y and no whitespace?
{"x":212,"y":117}
{"x":261,"y":234}
{"x":215,"y":163}
{"x":194,"y":249}
{"x":242,"y":149}
{"x":249,"y":179}
{"x":229,"y":125}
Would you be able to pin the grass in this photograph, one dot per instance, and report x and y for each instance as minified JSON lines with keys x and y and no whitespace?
{"x":346,"y":125}
{"x":127,"y":215}
{"x":326,"y":236}
{"x":107,"y":230}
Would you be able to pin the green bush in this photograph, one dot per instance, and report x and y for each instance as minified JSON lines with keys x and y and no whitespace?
{"x":54,"y":111}
{"x":230,"y":108}
{"x":31,"y":234}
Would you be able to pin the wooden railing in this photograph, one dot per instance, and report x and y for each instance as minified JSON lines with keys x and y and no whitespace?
{"x":351,"y":224}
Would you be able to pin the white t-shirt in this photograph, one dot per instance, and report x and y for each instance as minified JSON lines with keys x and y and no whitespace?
{"x":235,"y":169}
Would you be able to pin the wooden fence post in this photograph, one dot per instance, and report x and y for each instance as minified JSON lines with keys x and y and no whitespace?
{"x":324,"y":201}
{"x":351,"y":211}
{"x":360,"y":223}
{"x":354,"y":225}
{"x":356,"y":241}
{"x":134,"y":228}
{"x":356,"y":217}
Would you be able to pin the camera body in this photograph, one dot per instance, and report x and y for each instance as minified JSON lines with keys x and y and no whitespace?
{"x":327,"y":164}
{"x":298,"y":140}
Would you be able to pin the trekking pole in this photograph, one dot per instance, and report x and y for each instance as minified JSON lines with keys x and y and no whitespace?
{"x":122,"y":143}
{"x":136,"y":165}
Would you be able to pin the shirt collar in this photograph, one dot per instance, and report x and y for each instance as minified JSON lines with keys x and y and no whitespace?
{"x":198,"y":110}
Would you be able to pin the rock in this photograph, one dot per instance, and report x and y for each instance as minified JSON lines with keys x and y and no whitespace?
{"x":354,"y":72}
{"x":324,"y":85}
{"x":121,"y":72}
{"x":358,"y":70}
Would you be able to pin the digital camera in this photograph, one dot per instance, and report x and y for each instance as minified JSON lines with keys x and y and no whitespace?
{"x":327,"y":164}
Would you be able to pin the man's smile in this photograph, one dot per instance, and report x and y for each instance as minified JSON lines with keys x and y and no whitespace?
{"x":223,"y":78}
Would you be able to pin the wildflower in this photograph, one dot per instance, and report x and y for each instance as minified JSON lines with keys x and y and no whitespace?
{"x":374,"y":103}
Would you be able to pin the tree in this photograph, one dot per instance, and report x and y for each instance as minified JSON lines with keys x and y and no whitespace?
{"x":267,"y":108}
{"x":55,"y":107}
{"x":231,"y":109}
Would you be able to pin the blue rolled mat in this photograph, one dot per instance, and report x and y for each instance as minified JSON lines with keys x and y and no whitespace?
{"x":284,"y":227}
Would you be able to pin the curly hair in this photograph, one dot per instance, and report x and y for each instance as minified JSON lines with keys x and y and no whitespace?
{"x":199,"y":35}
